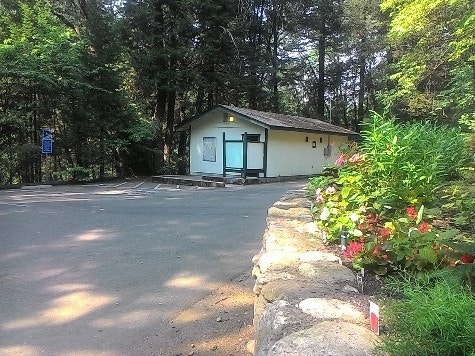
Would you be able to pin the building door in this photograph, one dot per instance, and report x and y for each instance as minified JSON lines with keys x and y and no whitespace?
{"x":246,"y":156}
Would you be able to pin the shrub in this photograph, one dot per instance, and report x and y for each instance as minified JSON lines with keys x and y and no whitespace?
{"x":408,"y":162}
{"x":378,"y":193}
{"x":74,"y":173}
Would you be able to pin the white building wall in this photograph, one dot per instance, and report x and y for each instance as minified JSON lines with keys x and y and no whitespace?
{"x":213,"y":126}
{"x":292,"y":153}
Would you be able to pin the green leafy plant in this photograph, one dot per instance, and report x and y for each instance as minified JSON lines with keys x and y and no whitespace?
{"x":408,"y":162}
{"x":433,"y":318}
{"x":378,"y":191}
{"x":459,"y":205}
{"x":74,"y":173}
{"x":401,"y":242}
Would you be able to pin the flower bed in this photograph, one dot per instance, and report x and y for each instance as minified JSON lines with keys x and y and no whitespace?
{"x":387,"y":195}
{"x":403,"y":201}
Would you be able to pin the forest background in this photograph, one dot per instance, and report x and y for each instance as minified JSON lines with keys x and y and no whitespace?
{"x":111,"y":79}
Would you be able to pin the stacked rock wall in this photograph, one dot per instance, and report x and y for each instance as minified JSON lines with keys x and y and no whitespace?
{"x":302,"y":293}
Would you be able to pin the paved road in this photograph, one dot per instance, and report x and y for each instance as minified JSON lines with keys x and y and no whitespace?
{"x":101,"y":269}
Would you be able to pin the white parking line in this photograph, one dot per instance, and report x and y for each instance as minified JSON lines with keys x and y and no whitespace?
{"x":157,"y":186}
{"x":138,"y":185}
{"x":118,"y":185}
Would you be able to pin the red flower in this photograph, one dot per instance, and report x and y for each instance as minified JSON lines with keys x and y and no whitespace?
{"x":377,"y":250}
{"x":424,"y":227}
{"x":411,"y":212}
{"x":467,"y":258}
{"x":385,"y":232}
{"x":353,"y":248}
{"x":340,"y":160}
{"x":384,"y":257}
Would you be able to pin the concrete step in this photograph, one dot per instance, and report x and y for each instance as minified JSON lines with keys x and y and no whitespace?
{"x":196,"y":181}
{"x":251,"y":180}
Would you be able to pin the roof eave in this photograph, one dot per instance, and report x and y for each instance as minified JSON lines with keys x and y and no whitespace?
{"x":187,"y":124}
{"x":324,"y":132}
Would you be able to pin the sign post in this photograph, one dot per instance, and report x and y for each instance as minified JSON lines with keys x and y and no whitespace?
{"x":47,"y":133}
{"x":47,"y":146}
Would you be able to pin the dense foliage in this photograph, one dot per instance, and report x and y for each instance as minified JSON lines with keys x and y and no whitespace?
{"x":386,"y":193}
{"x":112,"y":78}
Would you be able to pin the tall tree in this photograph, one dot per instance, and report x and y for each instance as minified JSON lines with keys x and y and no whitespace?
{"x":432,"y":45}
{"x":365,"y":49}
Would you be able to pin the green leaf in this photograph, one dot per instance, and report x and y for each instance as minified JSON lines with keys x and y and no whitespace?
{"x":345,"y":192}
{"x":462,"y":247}
{"x":461,"y":220}
{"x":428,"y":254}
{"x":448,"y":234}
{"x":420,"y":214}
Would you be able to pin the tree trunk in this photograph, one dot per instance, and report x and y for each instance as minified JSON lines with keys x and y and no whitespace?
{"x":169,"y":129}
{"x":158,"y":118}
{"x":275,"y":64}
{"x":321,"y":72}
{"x":361,"y":92}
{"x":182,"y":158}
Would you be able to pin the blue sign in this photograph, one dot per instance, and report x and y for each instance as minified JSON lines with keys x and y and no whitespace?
{"x":47,"y":146}
{"x":47,"y":133}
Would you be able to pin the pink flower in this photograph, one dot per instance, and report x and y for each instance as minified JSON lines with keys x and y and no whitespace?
{"x":340,"y":160}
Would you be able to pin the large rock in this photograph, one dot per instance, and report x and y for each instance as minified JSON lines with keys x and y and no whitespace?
{"x":293,"y":290}
{"x":330,"y":309}
{"x":328,"y":338}
{"x":301,"y":214}
{"x":293,"y":202}
{"x":278,"y":260}
{"x":326,"y":272}
{"x":279,"y":319}
{"x":294,"y":194}
{"x":292,"y":238}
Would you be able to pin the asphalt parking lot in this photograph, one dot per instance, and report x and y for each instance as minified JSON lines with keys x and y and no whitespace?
{"x":96,"y":269}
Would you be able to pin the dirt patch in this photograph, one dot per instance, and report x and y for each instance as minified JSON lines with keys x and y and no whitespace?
{"x":220,"y":324}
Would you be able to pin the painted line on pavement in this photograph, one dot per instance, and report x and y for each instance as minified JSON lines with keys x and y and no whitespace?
{"x":138,"y":185}
{"x":118,"y":185}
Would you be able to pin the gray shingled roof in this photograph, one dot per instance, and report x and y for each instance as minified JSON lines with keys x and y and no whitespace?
{"x":277,"y":121}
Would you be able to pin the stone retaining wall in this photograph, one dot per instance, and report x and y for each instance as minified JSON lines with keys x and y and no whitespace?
{"x":303,"y":294}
